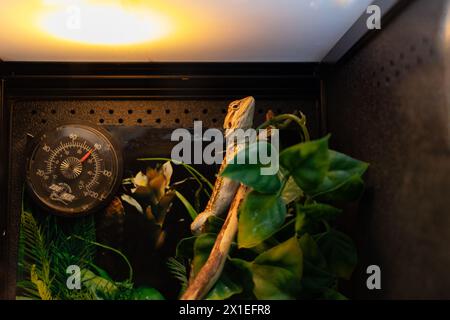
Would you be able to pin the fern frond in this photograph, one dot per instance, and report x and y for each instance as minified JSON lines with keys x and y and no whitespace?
{"x":178,"y":270}
{"x":44,"y":291}
{"x":48,"y":245}
{"x":35,"y":258}
{"x":28,"y":289}
{"x":67,"y":250}
{"x":34,"y":241}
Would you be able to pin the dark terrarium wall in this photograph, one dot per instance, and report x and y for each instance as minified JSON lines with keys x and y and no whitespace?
{"x":140,"y":104}
{"x":387,"y":104}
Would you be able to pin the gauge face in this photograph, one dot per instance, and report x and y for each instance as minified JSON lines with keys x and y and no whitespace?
{"x":74,"y":169}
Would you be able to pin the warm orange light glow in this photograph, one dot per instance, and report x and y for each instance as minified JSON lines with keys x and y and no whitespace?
{"x":102,"y":22}
{"x":173,"y":30}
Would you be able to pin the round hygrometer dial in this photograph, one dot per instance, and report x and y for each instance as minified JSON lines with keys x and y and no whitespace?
{"x":74,"y":169}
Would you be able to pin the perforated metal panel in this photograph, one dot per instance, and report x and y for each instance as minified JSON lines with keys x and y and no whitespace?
{"x":387,"y":105}
{"x":153,"y":113}
{"x":142,"y":126}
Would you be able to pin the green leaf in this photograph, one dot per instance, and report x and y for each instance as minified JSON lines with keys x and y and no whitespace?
{"x":331,"y":294}
{"x":185,"y":248}
{"x":291,"y":191}
{"x":307,"y":162}
{"x":146,"y":293}
{"x":202,"y":248}
{"x":99,"y":286}
{"x":190,"y":209}
{"x":318,"y":211}
{"x":276,"y":273}
{"x":315,"y":280}
{"x":213,"y":224}
{"x":179,"y":271}
{"x":101,"y":272}
{"x":249,"y":172}
{"x":311,"y":251}
{"x":224,"y":288}
{"x":351,"y":190}
{"x":260,"y":216}
{"x":241,"y":269}
{"x":343,"y":180}
{"x":309,"y":216}
{"x":301,"y":223}
{"x":339,"y":251}
{"x":282,"y":234}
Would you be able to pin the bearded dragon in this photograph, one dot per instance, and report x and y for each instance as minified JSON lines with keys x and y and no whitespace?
{"x":239,"y":116}
{"x":210,"y":272}
{"x":204,"y":280}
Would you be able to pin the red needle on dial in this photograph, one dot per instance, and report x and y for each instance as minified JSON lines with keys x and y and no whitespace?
{"x":86,"y":156}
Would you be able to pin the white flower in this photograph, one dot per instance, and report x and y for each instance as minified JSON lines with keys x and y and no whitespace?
{"x":140,"y":180}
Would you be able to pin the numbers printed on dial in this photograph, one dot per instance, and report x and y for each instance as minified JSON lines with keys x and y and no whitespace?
{"x":73,"y":169}
{"x":91,"y":194}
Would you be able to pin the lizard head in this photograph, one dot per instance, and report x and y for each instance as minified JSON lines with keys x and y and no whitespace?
{"x":240,"y":114}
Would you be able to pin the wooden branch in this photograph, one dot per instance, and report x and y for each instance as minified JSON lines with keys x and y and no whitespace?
{"x":212,"y":269}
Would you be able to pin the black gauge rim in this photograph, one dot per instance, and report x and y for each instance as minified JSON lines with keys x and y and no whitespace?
{"x":31,"y":147}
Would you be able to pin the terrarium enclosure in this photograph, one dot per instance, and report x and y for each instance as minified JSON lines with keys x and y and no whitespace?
{"x":381,"y":94}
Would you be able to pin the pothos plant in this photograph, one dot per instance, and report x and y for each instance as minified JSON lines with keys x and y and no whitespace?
{"x":287,"y":245}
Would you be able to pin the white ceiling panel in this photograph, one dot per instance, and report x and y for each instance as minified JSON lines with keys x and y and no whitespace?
{"x":174,"y":30}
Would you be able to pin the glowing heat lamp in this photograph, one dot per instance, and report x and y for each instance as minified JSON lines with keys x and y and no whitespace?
{"x":103,"y":22}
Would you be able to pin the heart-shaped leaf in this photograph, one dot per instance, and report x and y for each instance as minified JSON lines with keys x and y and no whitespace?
{"x":311,"y":251}
{"x":343,"y":180}
{"x":339,"y":251}
{"x":276,"y":273}
{"x":291,"y":191}
{"x":331,"y":294}
{"x":224,"y":288}
{"x":247,"y":167}
{"x":307,"y":163}
{"x":309,"y":216}
{"x":146,"y":293}
{"x":260,"y":216}
{"x":315,"y":281}
{"x":185,"y":248}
